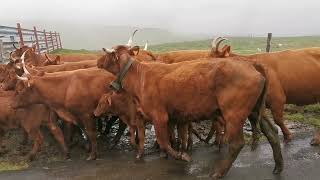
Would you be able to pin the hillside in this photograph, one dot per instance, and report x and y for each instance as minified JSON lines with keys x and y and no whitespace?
{"x":244,"y":45}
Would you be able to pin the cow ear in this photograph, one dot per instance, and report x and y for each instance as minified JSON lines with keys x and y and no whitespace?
{"x":58,"y":59}
{"x":33,"y":48}
{"x":109,"y":100}
{"x":226,"y":50}
{"x":134,"y":50}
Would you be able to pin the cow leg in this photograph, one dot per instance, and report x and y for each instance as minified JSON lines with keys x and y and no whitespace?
{"x":210,"y":135}
{"x":183,"y":134}
{"x":255,"y":132}
{"x":24,"y":138}
{"x":141,"y":136}
{"x":58,"y":135}
{"x":232,"y":146}
{"x":90,"y":127}
{"x":161,"y":127}
{"x":273,"y":138}
{"x":121,"y":129}
{"x":37,"y":142}
{"x":277,"y":113}
{"x":133,"y":136}
{"x":316,"y":138}
{"x":2,"y":146}
{"x":191,"y":131}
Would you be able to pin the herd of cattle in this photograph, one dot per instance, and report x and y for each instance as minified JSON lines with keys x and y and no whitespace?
{"x":169,"y":90}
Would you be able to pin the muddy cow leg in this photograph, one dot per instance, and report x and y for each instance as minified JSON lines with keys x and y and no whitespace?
{"x":255,"y":131}
{"x":90,"y":127}
{"x":273,"y":139}
{"x":183,"y":134}
{"x":316,"y":138}
{"x":116,"y":139}
{"x":37,"y":138}
{"x":277,"y":113}
{"x":141,"y":136}
{"x":24,"y":138}
{"x":233,"y":144}
{"x":57,"y":133}
{"x":162,"y":133}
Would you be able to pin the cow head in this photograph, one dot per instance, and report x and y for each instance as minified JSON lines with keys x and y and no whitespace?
{"x":116,"y":58}
{"x":104,"y":105}
{"x":17,"y":53}
{"x":49,"y":61}
{"x":224,"y":52}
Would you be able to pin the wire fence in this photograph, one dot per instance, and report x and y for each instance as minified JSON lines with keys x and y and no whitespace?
{"x":45,"y":41}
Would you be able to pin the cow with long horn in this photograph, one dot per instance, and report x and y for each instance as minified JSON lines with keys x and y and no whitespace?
{"x":130,"y":42}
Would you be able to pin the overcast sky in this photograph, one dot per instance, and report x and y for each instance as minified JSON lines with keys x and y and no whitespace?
{"x":288,"y":17}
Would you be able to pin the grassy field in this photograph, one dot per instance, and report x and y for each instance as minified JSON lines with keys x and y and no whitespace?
{"x":244,"y":45}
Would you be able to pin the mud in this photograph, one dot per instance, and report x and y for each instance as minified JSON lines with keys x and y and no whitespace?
{"x":301,"y":159}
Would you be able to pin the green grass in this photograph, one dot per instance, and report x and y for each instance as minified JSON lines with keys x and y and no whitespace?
{"x":71,"y":51}
{"x":307,"y":115}
{"x":244,"y":45}
{"x":11,"y":166}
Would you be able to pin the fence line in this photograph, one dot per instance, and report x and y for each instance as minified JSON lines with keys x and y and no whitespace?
{"x":45,"y":41}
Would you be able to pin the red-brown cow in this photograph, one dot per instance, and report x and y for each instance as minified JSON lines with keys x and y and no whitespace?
{"x":195,"y":90}
{"x":30,"y":119}
{"x":73,"y":95}
{"x":291,"y":79}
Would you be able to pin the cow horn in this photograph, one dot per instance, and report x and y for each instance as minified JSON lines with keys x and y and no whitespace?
{"x":23,"y":63}
{"x":47,"y":57}
{"x":22,"y":78}
{"x":219,"y":42}
{"x":12,"y":58}
{"x":131,"y":38}
{"x":108,"y":50}
{"x":214,"y":41}
{"x":146,"y":46}
{"x":14,"y":46}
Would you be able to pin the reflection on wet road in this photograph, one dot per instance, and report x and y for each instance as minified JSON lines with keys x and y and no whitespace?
{"x":301,"y":162}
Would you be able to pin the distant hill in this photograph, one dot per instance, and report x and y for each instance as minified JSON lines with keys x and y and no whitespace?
{"x":94,"y":38}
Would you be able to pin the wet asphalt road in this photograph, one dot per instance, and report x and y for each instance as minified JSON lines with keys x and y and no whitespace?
{"x":302,"y":162}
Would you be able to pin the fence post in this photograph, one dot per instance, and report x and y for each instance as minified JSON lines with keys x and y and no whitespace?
{"x":1,"y":51}
{"x":269,"y":42}
{"x":46,"y":40}
{"x":52,"y":40}
{"x":55,"y":35}
{"x":20,"y":34}
{"x":60,"y":40}
{"x":37,"y":40}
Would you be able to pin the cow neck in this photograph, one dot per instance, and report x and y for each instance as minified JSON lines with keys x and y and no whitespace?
{"x":117,"y":83}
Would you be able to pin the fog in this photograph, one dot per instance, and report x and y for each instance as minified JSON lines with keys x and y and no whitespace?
{"x":207,"y":17}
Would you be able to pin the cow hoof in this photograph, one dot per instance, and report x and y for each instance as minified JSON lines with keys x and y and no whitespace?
{"x":139,"y":156}
{"x":67,"y":156}
{"x":314,"y":142}
{"x":163,"y":155}
{"x":91,"y":157}
{"x":30,"y":157}
{"x":254,"y":146}
{"x":277,"y":170}
{"x":185,"y":157}
{"x":216,"y":176}
{"x":288,"y":139}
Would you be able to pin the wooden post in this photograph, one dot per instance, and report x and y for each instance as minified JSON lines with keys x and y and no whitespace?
{"x":52,"y":40}
{"x":20,"y":35}
{"x":46,"y":40}
{"x":36,"y":36}
{"x":1,"y":51}
{"x":269,"y":42}
{"x":60,"y":40}
{"x":56,"y":38}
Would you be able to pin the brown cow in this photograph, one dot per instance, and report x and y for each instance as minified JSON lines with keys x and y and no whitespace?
{"x":122,"y":105}
{"x":195,"y":90}
{"x":30,"y":119}
{"x":65,"y":93}
{"x":291,"y":82}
